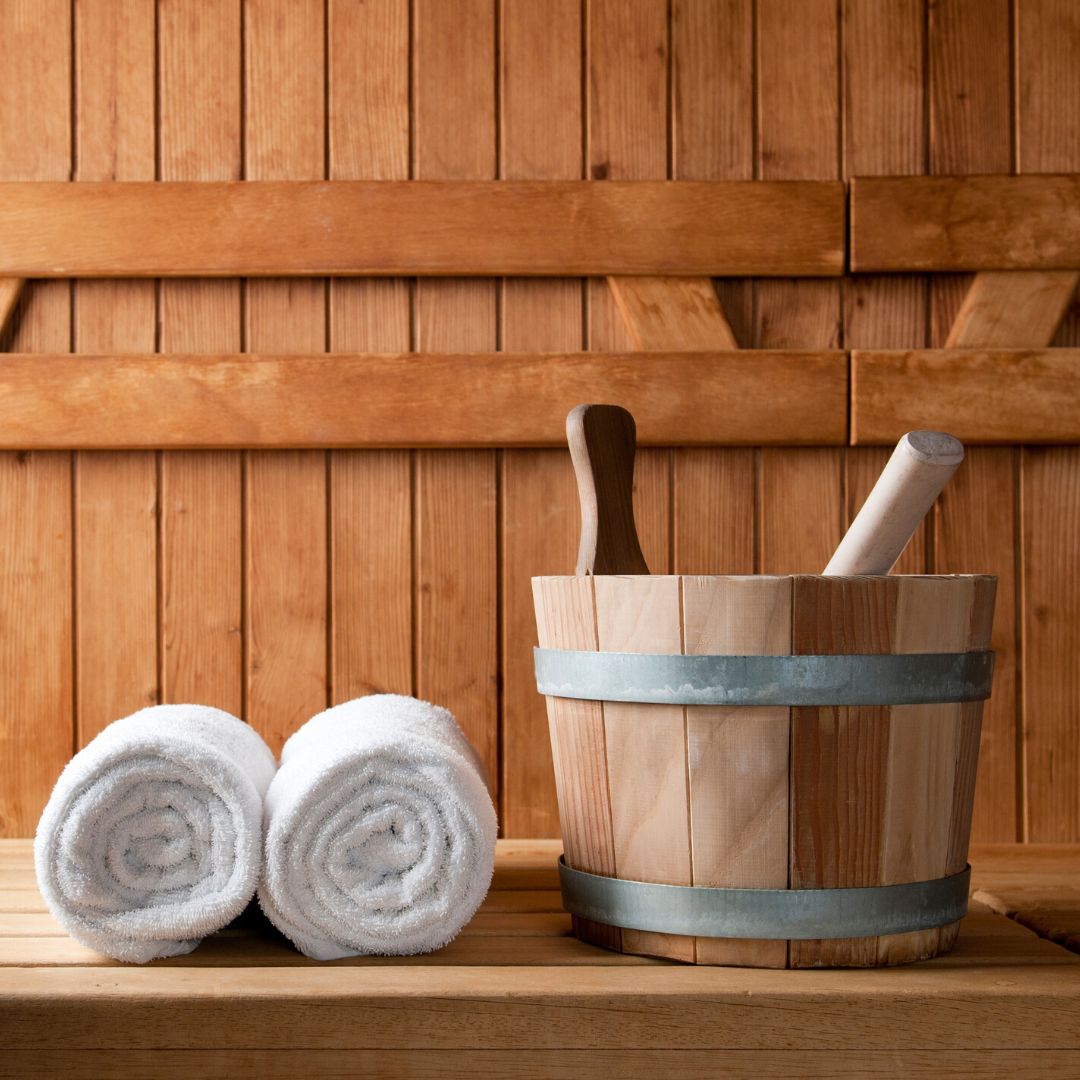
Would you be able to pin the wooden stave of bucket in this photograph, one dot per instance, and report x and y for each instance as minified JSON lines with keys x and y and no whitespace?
{"x":624,"y":770}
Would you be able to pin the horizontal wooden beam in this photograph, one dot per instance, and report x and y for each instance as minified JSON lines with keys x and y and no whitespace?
{"x":917,"y":223}
{"x":544,"y":228}
{"x":416,"y":399}
{"x":978,"y":395}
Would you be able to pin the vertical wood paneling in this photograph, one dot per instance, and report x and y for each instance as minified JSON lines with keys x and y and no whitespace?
{"x":969,"y":89}
{"x":541,"y":140}
{"x":884,"y":135}
{"x":1048,"y":140}
{"x":799,"y":132}
{"x":713,"y":139}
{"x":1052,"y":642}
{"x":115,"y":493}
{"x":455,"y":507}
{"x":370,"y":491}
{"x":627,"y":46}
{"x":714,"y":511}
{"x":330,"y":539}
{"x":199,"y":67}
{"x":628,"y":53}
{"x":286,"y":545}
{"x":35,"y":489}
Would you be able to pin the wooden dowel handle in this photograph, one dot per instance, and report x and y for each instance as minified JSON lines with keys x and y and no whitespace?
{"x":602,"y":442}
{"x":919,"y":468}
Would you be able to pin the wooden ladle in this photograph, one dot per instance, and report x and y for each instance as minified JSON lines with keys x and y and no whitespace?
{"x":602,"y":441}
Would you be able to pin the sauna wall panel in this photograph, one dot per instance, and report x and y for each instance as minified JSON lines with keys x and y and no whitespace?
{"x":37,"y":719}
{"x":273,"y":583}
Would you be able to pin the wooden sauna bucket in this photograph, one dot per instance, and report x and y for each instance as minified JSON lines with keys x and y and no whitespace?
{"x":837,"y":798}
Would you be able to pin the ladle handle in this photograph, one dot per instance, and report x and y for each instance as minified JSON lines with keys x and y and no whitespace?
{"x":919,"y":468}
{"x":602,"y":444}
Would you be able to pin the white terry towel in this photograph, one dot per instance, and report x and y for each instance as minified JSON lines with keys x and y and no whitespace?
{"x":152,"y":836}
{"x":379,"y":831}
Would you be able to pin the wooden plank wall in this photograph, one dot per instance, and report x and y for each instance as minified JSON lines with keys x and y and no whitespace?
{"x":273,"y":583}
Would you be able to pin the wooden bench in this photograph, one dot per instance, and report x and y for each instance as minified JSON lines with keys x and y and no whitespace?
{"x":517,"y":995}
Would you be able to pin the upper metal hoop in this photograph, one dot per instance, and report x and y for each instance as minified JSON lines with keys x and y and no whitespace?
{"x":912,"y":679}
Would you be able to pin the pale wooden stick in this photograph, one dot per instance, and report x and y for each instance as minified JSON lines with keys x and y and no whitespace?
{"x":919,"y":468}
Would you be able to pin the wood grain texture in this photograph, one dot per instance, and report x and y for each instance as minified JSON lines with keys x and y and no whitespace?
{"x":884,"y":134}
{"x":947,"y":223}
{"x":980,"y":636}
{"x":737,"y":758}
{"x":491,"y":1001}
{"x":971,"y":133}
{"x":635,"y":1064}
{"x":35,"y":618}
{"x":541,"y":138}
{"x":798,"y":116}
{"x":541,"y":522}
{"x":566,"y":619}
{"x":1047,"y":140}
{"x":457,"y":583}
{"x":602,"y":442}
{"x":975,"y":525}
{"x":627,"y":51}
{"x":371,"y":568}
{"x":672,"y":313}
{"x":456,"y":516}
{"x":285,"y":598}
{"x":285,"y":491}
{"x":802,"y":500}
{"x":453,"y":398}
{"x":714,"y":511}
{"x":370,"y":492}
{"x":201,"y":537}
{"x":116,"y":495}
{"x":646,"y":751}
{"x":924,"y":758}
{"x":1051,"y":479}
{"x":1006,"y":309}
{"x":712,"y":139}
{"x":979,"y":395}
{"x":10,"y":291}
{"x":713,"y":89}
{"x":882,"y":795}
{"x":839,"y":757}
{"x":37,"y":701}
{"x":435,"y":229}
{"x":969,"y":86}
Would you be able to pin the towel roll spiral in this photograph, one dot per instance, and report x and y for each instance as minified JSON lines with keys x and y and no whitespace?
{"x":379,"y":831}
{"x":151,"y":838}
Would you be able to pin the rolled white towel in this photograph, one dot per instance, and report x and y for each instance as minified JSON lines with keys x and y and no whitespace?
{"x":152,"y":836}
{"x":379,"y":831}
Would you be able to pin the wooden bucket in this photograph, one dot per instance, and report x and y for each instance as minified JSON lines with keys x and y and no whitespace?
{"x":840,"y":798}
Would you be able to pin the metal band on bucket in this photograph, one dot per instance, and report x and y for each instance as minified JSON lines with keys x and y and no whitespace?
{"x":779,"y":914}
{"x":662,"y":679}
